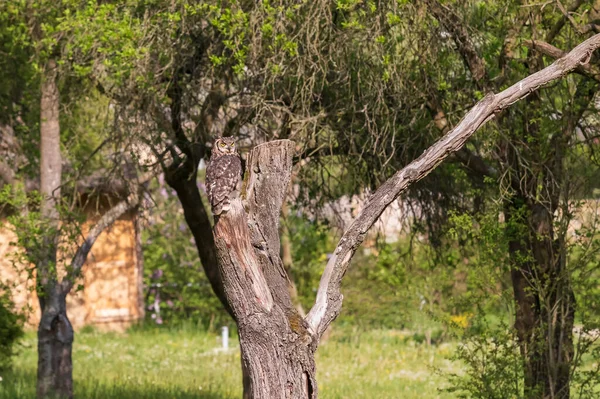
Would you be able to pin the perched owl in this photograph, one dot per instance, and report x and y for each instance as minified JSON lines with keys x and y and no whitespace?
{"x":223,"y":174}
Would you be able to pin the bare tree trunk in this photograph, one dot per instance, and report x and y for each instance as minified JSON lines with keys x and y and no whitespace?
{"x":277,"y":348}
{"x":55,"y":334}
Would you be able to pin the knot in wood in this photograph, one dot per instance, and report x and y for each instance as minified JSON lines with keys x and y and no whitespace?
{"x":412,"y":175}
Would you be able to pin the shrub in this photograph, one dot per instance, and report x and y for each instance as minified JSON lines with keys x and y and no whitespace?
{"x":178,"y":290}
{"x":11,"y":329}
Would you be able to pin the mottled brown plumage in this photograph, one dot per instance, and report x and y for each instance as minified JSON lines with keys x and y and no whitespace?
{"x":223,"y":174}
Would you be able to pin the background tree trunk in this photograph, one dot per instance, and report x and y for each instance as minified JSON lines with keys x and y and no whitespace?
{"x":544,"y":301}
{"x":55,"y":342}
{"x":55,"y":334}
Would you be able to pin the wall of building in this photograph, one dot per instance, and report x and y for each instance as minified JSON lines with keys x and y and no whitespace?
{"x":109,"y":293}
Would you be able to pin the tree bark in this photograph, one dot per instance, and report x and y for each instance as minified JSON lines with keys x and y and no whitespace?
{"x":55,"y":334}
{"x":277,"y":348}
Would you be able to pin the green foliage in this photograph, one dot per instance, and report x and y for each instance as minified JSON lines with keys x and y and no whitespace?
{"x":177,"y":288}
{"x":86,"y":130}
{"x":11,"y":328}
{"x":493,"y":365}
{"x":390,"y":288}
{"x":311,"y":244}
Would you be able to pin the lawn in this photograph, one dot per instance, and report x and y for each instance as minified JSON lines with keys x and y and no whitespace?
{"x":164,"y":363}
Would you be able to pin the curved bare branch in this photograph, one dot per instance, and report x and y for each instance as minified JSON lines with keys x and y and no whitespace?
{"x":329,"y":298}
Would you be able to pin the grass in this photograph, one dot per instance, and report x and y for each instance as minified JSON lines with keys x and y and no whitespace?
{"x":185,"y":364}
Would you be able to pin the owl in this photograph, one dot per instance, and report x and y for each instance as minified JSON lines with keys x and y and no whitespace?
{"x":223,"y":175}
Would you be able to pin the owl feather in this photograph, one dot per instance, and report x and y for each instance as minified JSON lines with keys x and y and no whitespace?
{"x":223,"y":175}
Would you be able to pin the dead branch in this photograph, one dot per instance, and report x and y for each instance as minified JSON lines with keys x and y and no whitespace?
{"x":553,"y":52}
{"x":329,"y":298}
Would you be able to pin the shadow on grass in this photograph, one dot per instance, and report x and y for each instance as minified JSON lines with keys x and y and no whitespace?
{"x":20,"y":384}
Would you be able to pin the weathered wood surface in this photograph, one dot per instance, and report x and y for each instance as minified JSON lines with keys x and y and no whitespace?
{"x":277,"y":350}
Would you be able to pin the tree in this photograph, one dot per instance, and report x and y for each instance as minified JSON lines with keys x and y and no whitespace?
{"x":530,"y":157}
{"x":313,"y":73}
{"x":38,"y":32}
{"x":278,"y":346}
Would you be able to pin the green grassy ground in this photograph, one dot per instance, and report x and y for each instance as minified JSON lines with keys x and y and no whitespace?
{"x":187,"y":364}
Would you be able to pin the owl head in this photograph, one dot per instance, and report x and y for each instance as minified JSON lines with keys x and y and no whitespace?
{"x":224,"y":146}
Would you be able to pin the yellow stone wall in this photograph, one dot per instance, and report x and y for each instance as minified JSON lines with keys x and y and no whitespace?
{"x":111,"y":278}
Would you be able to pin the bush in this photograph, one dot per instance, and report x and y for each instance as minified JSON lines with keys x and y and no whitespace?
{"x":178,"y":290}
{"x":11,"y":330}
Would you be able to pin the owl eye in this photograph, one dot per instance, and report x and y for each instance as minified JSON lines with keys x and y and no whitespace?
{"x":223,"y":144}
{"x":231,"y":145}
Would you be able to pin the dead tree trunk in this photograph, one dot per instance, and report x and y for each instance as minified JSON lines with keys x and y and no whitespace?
{"x":277,"y":349}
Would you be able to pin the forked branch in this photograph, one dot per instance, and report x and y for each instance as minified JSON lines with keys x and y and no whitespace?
{"x":329,"y":298}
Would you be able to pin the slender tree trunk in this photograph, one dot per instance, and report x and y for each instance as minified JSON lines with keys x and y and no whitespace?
{"x":557,"y":304}
{"x":55,"y":334}
{"x":545,"y":303}
{"x":527,"y":306}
